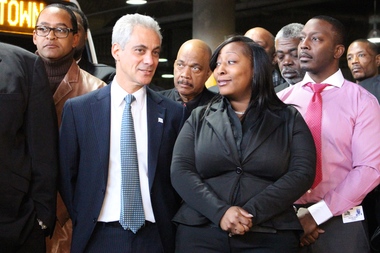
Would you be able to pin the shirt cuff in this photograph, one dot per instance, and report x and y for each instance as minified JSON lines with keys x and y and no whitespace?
{"x":320,"y":212}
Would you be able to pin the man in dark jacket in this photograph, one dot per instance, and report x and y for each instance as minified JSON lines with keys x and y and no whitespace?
{"x":28,"y":152}
{"x":286,"y":44}
{"x":191,"y":71}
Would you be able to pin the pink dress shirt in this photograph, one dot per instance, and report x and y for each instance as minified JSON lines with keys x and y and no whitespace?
{"x":350,"y":144}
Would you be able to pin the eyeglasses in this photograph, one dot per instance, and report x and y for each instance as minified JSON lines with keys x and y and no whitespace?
{"x":59,"y":32}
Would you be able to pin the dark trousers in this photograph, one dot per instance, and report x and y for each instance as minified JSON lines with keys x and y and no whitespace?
{"x":112,"y":238}
{"x":35,"y":242}
{"x":212,"y":239}
{"x":340,"y":237}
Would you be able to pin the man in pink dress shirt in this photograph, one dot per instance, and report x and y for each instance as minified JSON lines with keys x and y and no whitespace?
{"x":331,"y":216}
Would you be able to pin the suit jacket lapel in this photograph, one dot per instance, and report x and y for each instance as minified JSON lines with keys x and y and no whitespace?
{"x":222,"y":129}
{"x":101,"y":113}
{"x":156,"y":120}
{"x":261,"y":131}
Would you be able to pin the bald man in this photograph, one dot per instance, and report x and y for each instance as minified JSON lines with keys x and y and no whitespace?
{"x":266,"y":40}
{"x":191,"y":71}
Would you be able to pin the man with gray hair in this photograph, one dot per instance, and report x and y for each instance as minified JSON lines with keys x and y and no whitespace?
{"x":112,"y":210}
{"x":286,"y":44}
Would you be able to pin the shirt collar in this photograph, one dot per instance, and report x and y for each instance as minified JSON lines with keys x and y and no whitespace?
{"x":335,"y":79}
{"x":119,"y":94}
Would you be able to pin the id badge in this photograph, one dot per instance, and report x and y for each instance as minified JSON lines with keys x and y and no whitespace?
{"x":353,"y":215}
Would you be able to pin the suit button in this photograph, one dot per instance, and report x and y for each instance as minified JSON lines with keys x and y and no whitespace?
{"x":239,"y":170}
{"x":94,"y":220}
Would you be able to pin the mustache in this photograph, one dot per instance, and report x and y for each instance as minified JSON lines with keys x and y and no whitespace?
{"x":288,"y":69}
{"x":304,"y":54}
{"x":181,"y":81}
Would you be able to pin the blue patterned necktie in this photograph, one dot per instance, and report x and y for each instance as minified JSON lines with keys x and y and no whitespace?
{"x":132,"y":211}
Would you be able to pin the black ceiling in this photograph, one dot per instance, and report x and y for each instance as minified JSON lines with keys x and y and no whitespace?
{"x":270,"y":14}
{"x":175,"y":19}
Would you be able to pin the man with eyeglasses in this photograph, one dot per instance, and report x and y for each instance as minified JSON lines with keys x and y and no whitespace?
{"x":55,"y":36}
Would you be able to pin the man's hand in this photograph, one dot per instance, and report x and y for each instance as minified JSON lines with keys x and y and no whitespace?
{"x":236,"y":220}
{"x":310,"y":228}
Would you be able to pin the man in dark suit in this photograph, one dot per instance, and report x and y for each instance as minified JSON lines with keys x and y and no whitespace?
{"x":28,"y":152}
{"x":372,"y":85}
{"x":363,"y":59}
{"x":371,"y":202}
{"x":91,"y":151}
{"x":191,"y":70}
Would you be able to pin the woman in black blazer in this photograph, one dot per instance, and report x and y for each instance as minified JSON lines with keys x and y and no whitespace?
{"x":240,"y":162}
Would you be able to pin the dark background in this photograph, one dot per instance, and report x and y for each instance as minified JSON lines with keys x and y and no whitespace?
{"x":175,"y":18}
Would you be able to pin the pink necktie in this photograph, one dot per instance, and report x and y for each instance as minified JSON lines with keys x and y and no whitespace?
{"x":313,"y":120}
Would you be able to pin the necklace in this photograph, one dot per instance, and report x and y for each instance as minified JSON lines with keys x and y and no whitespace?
{"x":239,"y":113}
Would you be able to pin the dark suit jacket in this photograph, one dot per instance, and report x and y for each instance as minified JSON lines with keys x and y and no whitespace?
{"x":371,"y":202}
{"x":201,"y":99}
{"x":275,"y":167}
{"x":101,"y":71}
{"x":372,"y":85}
{"x":281,"y":87}
{"x":84,"y":151}
{"x":28,"y":145}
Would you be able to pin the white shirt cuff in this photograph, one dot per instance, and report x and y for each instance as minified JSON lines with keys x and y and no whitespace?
{"x":320,"y":212}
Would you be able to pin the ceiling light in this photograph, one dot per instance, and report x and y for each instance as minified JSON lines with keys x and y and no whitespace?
{"x":374,"y":34}
{"x":167,"y":75}
{"x":136,"y":2}
{"x":162,"y":60}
